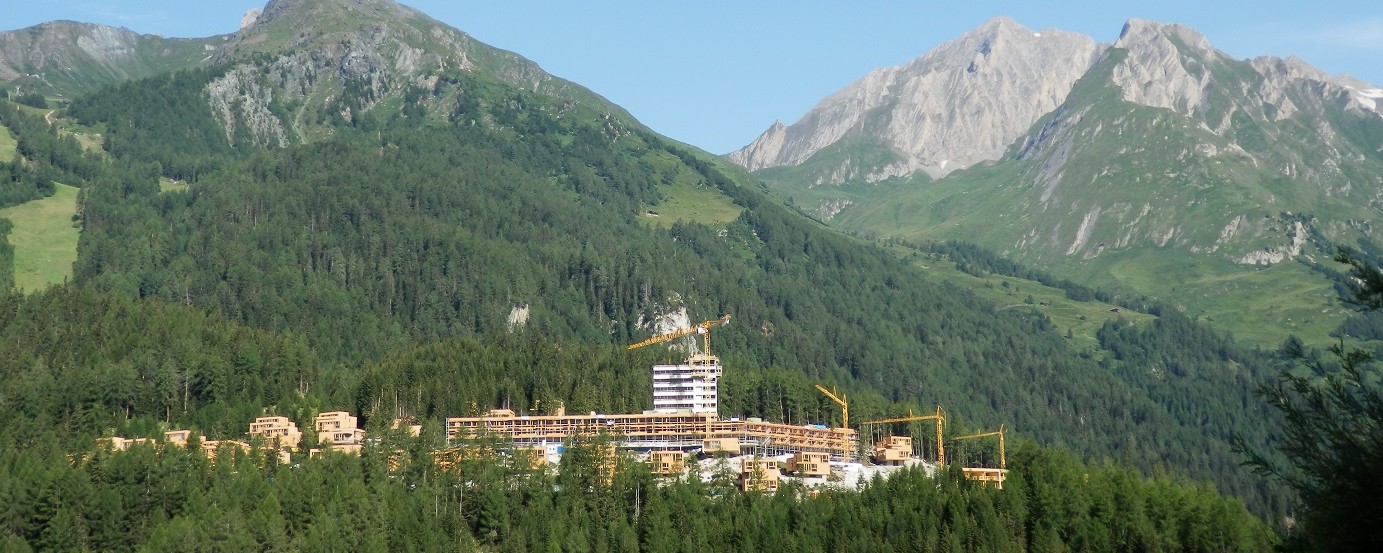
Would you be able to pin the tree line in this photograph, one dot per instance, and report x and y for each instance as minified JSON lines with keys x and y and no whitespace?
{"x":172,"y":499}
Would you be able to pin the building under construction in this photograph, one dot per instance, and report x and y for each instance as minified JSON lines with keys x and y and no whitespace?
{"x":684,"y":417}
{"x":652,"y":431}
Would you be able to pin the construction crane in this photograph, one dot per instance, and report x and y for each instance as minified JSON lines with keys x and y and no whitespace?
{"x":844,"y":406}
{"x":844,"y":419}
{"x":939,"y":417}
{"x":999,"y":433}
{"x":703,"y":328}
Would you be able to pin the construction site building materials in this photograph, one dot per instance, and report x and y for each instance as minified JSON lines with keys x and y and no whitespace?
{"x":657,"y":431}
{"x":986,"y":476}
{"x":277,"y":432}
{"x":667,"y":463}
{"x":715,"y":446}
{"x":116,"y":443}
{"x":757,"y":474}
{"x":893,"y":450}
{"x":530,"y":458}
{"x":178,"y":437}
{"x":414,"y":430}
{"x":691,"y":387}
{"x":809,"y":463}
{"x":339,"y":431}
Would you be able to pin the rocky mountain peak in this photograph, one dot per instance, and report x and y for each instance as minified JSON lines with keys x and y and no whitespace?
{"x":300,"y":11}
{"x":998,"y":27}
{"x":1141,"y":31}
{"x":1290,"y":67}
{"x":1167,"y":66}
{"x":98,"y":41}
{"x":309,"y":19}
{"x":1174,"y":67}
{"x":943,"y":111}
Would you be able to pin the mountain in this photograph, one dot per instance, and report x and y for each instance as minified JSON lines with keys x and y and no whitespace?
{"x":959,"y":104}
{"x":348,"y":57}
{"x":377,"y":48}
{"x":380,"y":188}
{"x":1272,"y":148}
{"x":66,"y":58}
{"x":1165,"y":156}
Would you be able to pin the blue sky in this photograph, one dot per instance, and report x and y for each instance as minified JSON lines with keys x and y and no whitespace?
{"x":717,"y":73}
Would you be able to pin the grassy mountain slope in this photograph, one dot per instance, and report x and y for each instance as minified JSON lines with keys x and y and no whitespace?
{"x":44,"y":239}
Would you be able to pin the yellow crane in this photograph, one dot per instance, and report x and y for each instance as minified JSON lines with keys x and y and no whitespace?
{"x":844,"y":405}
{"x":999,"y":433}
{"x":844,"y":419}
{"x":703,"y":328}
{"x":939,"y":417}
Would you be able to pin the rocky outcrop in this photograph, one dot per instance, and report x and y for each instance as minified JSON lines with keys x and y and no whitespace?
{"x":240,"y":101}
{"x":249,"y":18}
{"x":959,"y":104}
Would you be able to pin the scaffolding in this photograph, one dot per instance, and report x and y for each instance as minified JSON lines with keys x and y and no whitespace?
{"x":658,"y":431}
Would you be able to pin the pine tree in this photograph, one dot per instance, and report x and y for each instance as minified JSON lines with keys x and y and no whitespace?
{"x":1333,"y":435}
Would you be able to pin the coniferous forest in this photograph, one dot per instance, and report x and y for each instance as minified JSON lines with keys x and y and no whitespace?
{"x":375,"y":269}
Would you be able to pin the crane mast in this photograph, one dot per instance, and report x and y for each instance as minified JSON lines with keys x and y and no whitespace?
{"x":844,"y":417}
{"x":939,"y":416}
{"x":844,"y":405}
{"x":999,"y":433}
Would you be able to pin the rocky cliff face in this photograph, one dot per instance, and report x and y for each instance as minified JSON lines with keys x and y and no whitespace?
{"x":959,"y":104}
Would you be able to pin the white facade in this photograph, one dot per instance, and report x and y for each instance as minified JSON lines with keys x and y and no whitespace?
{"x":687,"y":388}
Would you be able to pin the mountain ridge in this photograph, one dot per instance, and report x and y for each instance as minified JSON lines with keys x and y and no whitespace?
{"x":1155,"y":75}
{"x":66,"y":58}
{"x":386,"y":46}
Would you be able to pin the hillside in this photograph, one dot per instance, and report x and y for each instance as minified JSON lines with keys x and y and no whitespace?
{"x":1166,"y":157}
{"x":378,"y":189}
